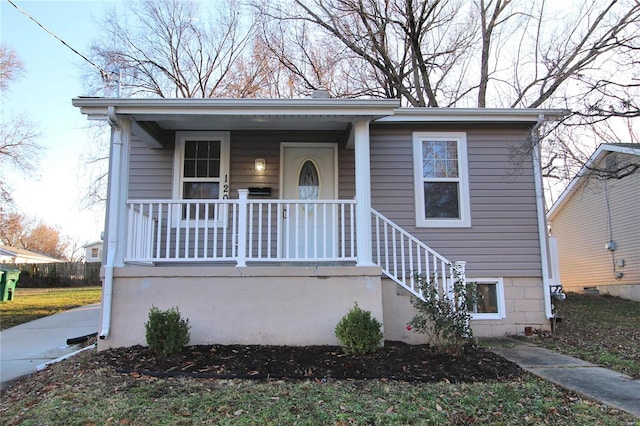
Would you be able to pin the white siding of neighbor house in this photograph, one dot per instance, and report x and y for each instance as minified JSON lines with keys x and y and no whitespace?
{"x":503,"y":237}
{"x":582,"y":229}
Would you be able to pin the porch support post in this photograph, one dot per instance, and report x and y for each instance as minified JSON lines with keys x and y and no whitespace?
{"x":242,"y":228}
{"x":363,"y":193}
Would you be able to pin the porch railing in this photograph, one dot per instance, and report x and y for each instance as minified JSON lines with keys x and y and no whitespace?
{"x":240,"y":230}
{"x":402,"y":257}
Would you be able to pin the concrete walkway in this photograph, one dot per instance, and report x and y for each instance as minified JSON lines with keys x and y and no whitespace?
{"x":589,"y":380}
{"x":26,"y":346}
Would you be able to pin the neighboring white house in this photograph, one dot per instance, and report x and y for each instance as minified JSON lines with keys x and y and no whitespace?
{"x":597,"y":226}
{"x":14,"y":255}
{"x":264,"y":220}
{"x":93,"y":252}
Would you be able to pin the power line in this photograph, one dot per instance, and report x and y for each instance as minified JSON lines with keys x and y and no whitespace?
{"x":103,"y":73}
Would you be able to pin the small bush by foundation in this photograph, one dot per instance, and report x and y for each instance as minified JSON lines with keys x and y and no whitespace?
{"x":166,"y":331}
{"x":359,"y":332}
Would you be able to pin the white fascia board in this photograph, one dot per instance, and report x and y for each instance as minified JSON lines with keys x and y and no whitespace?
{"x":575,"y":182}
{"x":228,"y":107}
{"x":409,"y":115}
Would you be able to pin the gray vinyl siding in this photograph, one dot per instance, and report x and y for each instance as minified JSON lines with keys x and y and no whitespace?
{"x":150,"y":171}
{"x":246,"y":146}
{"x":503,"y":238}
{"x":582,"y":229}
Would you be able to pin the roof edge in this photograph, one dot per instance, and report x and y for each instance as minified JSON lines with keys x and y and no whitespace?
{"x":306,"y":106}
{"x":423,"y":114}
{"x":575,"y":182}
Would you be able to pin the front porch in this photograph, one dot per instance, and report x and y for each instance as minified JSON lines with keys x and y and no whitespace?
{"x":241,"y":230}
{"x":239,"y":270}
{"x":278,"y":232}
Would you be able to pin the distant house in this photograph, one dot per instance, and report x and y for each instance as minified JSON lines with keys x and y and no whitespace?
{"x":14,"y":256}
{"x":93,"y":252}
{"x":264,"y":220}
{"x":597,"y":226}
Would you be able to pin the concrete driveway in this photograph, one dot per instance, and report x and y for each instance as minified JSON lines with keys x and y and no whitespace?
{"x":26,"y":346}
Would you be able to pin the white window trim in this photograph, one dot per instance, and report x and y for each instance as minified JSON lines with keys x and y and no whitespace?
{"x":501,"y":314}
{"x":463,"y":170}
{"x":178,"y":171}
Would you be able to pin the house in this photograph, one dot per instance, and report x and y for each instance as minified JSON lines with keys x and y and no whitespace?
{"x":597,"y":225}
{"x":264,"y":220}
{"x":13,"y":256}
{"x":93,"y":252}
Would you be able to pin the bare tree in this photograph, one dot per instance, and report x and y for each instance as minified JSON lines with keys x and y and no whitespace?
{"x":18,"y":147}
{"x":13,"y":228}
{"x":18,"y":230}
{"x":172,"y":48}
{"x":45,"y":239}
{"x":408,"y":48}
{"x":582,"y":56}
{"x":11,"y":66}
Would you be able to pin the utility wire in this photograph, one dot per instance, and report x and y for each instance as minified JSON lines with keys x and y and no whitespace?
{"x":103,"y":73}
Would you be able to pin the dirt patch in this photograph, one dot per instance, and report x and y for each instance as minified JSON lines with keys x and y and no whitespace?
{"x":394,"y":361}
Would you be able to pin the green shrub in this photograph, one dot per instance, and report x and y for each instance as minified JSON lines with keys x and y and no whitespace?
{"x":359,"y":332}
{"x":445,"y":320}
{"x":166,"y":332}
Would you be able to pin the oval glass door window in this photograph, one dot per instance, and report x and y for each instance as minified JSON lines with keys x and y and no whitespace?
{"x":308,"y":184}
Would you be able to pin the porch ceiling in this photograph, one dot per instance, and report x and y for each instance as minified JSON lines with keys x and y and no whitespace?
{"x":248,"y":122}
{"x":151,"y":116}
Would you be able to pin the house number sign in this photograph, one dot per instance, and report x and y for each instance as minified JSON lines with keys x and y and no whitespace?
{"x":225,"y":188}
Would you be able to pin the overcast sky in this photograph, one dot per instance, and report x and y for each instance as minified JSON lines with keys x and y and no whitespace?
{"x":52,"y":78}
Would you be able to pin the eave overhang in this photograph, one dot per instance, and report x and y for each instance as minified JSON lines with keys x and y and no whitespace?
{"x":471,"y":115}
{"x":372,"y":109}
{"x":150,"y":117}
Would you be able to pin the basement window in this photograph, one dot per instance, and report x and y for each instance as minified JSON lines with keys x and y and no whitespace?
{"x":489,"y":303}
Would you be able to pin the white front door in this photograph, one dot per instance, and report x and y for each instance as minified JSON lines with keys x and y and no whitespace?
{"x":309,"y":172}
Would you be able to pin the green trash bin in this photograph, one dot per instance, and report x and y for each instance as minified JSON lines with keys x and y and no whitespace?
{"x":8,"y":281}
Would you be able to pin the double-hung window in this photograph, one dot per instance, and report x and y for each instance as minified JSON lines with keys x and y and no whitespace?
{"x":441,"y":180}
{"x":201,"y":173}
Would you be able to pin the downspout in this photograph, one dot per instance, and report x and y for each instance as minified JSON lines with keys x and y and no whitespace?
{"x":542,"y":218}
{"x":115,"y":157}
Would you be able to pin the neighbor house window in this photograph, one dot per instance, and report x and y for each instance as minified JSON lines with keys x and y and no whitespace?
{"x":441,"y":180}
{"x":489,"y":298}
{"x":201,"y":173}
{"x":95,"y":252}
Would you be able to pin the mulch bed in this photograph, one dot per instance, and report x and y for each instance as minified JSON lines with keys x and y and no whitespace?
{"x":394,"y":361}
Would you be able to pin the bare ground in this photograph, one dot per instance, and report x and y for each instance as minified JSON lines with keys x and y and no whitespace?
{"x":394,"y":361}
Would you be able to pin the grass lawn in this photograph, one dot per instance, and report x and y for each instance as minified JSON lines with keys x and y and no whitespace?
{"x":33,"y":303}
{"x":81,"y":391}
{"x":603,"y":330}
